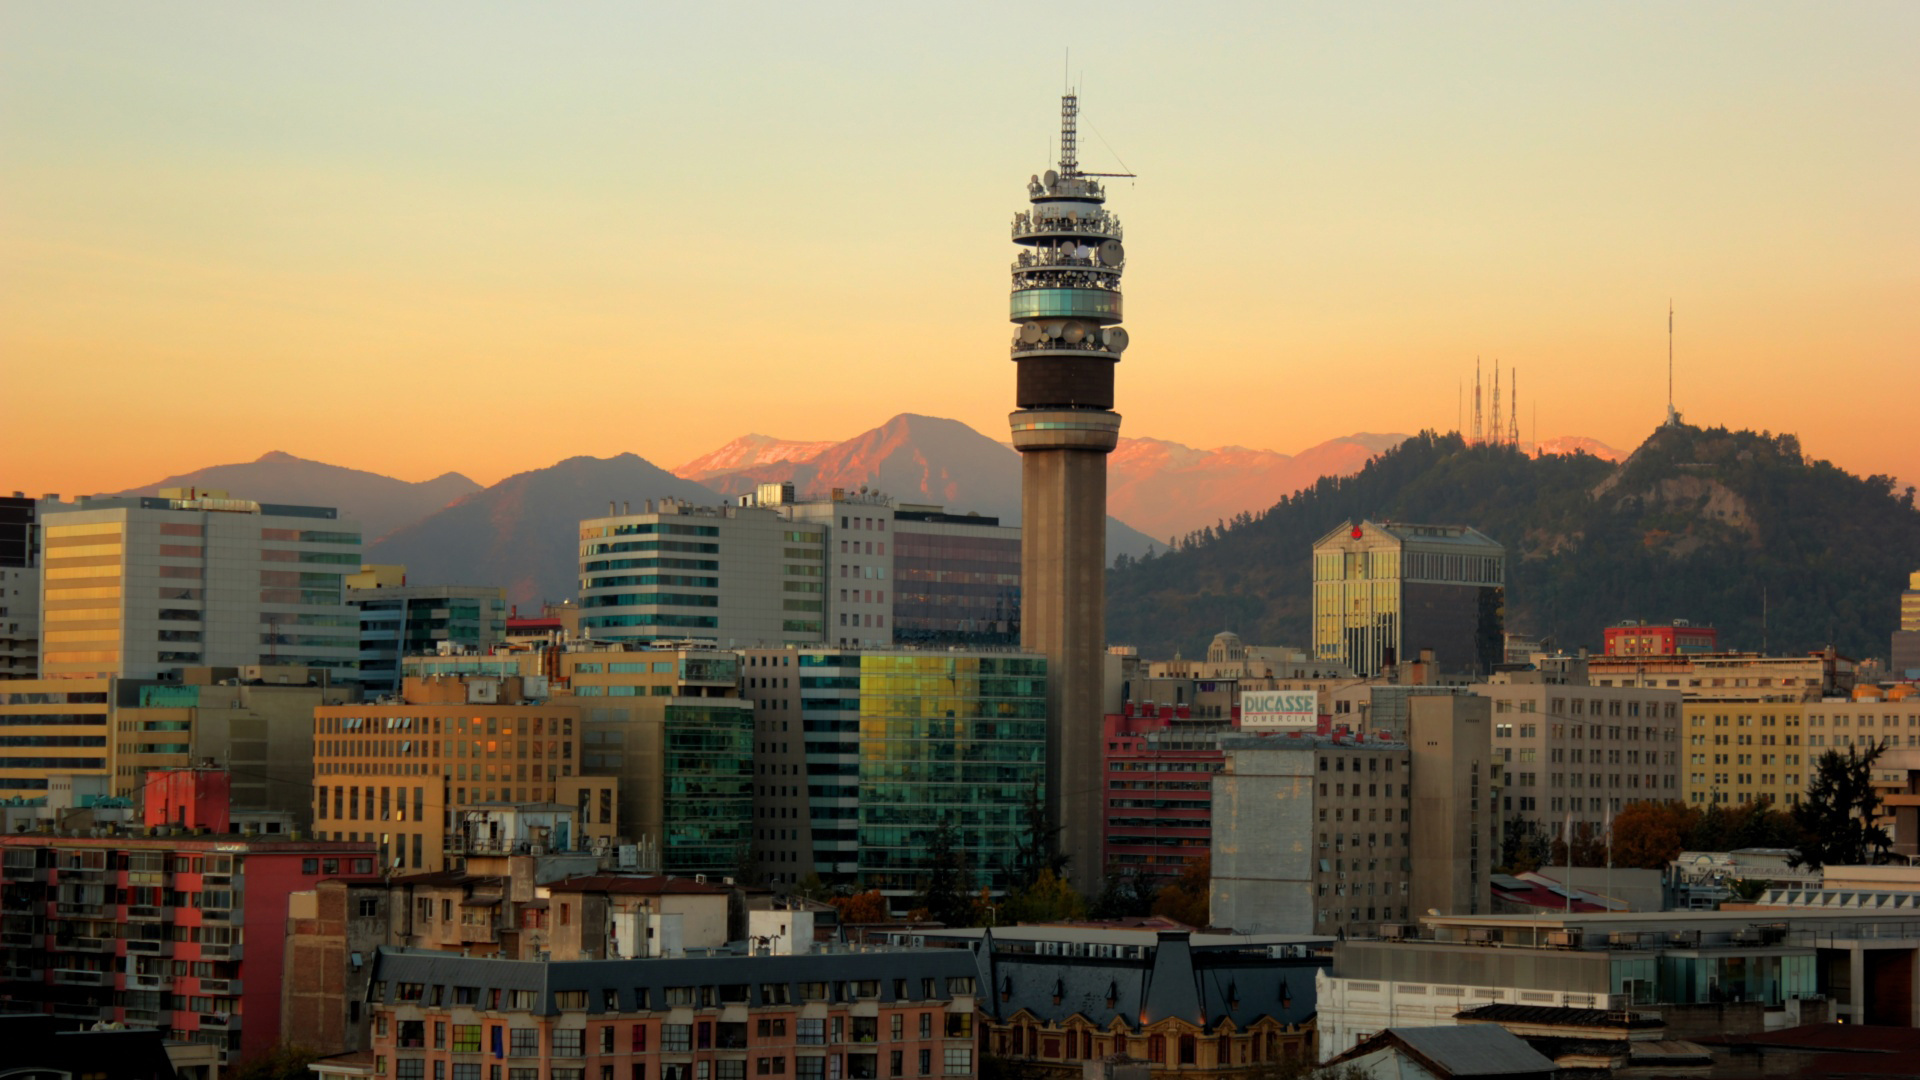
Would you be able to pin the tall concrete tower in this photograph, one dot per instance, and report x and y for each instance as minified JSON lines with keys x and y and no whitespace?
{"x":1066,"y":310}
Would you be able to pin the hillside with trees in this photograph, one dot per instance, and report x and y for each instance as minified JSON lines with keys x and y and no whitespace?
{"x":1736,"y":529}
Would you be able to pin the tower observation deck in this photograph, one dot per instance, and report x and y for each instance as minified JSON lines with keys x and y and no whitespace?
{"x":1066,"y":310}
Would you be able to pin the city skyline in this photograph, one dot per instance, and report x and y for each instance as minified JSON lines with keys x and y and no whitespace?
{"x":224,"y":222}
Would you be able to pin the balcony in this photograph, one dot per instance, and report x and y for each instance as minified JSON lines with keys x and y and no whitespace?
{"x":220,"y":986}
{"x":215,"y":1021}
{"x":85,"y":944}
{"x":476,"y":933}
{"x":149,"y":981}
{"x":15,"y":939}
{"x":147,"y":947}
{"x":82,"y":875}
{"x":17,"y":972}
{"x":69,"y":977}
{"x":150,"y":1017}
{"x":68,"y":910}
{"x":220,"y":951}
{"x":148,"y":912}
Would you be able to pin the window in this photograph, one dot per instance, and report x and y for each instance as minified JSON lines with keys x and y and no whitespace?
{"x":959,"y":1025}
{"x":678,"y":1038}
{"x":732,"y":1070}
{"x":466,"y":1072}
{"x":812,"y":1031}
{"x":525,"y":1042}
{"x":410,"y":1069}
{"x":466,"y":1038}
{"x":959,"y":1060}
{"x":569,"y":1042}
{"x":570,"y":999}
{"x":639,"y":1038}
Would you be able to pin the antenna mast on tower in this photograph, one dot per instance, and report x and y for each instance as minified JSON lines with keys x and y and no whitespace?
{"x":1673,"y":415}
{"x":1513,"y":410}
{"x":1495,"y":432}
{"x":1476,"y":401}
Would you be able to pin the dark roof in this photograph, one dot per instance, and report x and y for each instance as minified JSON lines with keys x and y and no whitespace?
{"x":643,"y":886}
{"x":1175,"y":979}
{"x":1502,"y":1013}
{"x":54,"y":1045}
{"x":393,"y":967}
{"x":1854,"y":1038}
{"x":449,"y":878}
{"x":1455,"y":1053}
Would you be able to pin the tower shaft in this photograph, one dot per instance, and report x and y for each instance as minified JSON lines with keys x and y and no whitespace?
{"x":1066,"y":309}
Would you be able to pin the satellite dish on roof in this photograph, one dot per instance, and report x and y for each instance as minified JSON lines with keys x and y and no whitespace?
{"x":1112,"y":254}
{"x":1050,"y":178}
{"x":1114,"y":338}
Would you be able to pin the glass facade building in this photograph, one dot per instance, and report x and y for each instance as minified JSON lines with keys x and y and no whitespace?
{"x":708,"y":781}
{"x":956,"y":586}
{"x":409,"y":620}
{"x":946,"y":738}
{"x":1383,"y":591}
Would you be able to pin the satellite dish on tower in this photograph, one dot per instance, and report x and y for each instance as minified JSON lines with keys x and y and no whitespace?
{"x":1112,"y":254}
{"x":1115,"y":339}
{"x":1050,"y":178}
{"x":1074,"y":333}
{"x":1029,"y":333}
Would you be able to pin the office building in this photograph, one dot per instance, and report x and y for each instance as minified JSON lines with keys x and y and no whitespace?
{"x":52,"y":727}
{"x":1576,"y":754}
{"x":1066,"y":307}
{"x":19,"y":588}
{"x":178,"y":933}
{"x":398,"y":619}
{"x":399,"y":775}
{"x":727,"y":575}
{"x":1350,"y":834}
{"x":1729,"y":676}
{"x":1160,"y":764}
{"x":255,"y":721}
{"x":862,"y":755}
{"x":857,"y":1016}
{"x":1384,"y":591}
{"x":143,"y":586}
{"x":669,"y":723}
{"x":1634,"y":638}
{"x":1742,"y":751}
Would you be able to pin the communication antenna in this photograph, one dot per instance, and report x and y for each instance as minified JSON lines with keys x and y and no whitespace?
{"x":1476,"y":401}
{"x":1513,"y":410}
{"x":1494,"y":431}
{"x":1673,"y":416}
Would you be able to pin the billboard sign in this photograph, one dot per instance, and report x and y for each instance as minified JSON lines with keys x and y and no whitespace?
{"x":1269,"y":710}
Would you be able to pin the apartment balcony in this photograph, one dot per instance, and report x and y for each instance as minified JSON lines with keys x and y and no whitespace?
{"x":220,"y":986}
{"x":13,"y":971}
{"x":149,"y":947}
{"x":148,"y":912}
{"x":477,"y":933}
{"x":159,"y":1018}
{"x":81,"y":876}
{"x":67,"y":910}
{"x":221,"y":951}
{"x":148,"y":982}
{"x":69,"y":977}
{"x":18,"y":939}
{"x":85,"y":944}
{"x":216,"y":1022}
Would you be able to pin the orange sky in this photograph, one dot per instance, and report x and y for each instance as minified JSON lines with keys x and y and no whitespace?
{"x":477,"y":238}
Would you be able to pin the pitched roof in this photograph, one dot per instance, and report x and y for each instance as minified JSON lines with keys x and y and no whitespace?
{"x":1472,"y":1050}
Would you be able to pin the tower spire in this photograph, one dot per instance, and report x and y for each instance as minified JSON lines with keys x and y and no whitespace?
{"x":1477,"y":433}
{"x":1495,"y":432}
{"x":1513,"y":407}
{"x":1673,"y":415}
{"x":1069,"y":135}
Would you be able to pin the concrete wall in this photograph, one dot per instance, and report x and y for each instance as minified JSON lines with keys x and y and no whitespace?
{"x":1263,"y":842}
{"x":1455,"y":811}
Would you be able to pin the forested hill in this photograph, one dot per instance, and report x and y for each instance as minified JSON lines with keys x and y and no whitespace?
{"x":1700,"y":524}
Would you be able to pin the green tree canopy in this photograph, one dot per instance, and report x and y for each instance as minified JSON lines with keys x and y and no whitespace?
{"x":1837,"y":814}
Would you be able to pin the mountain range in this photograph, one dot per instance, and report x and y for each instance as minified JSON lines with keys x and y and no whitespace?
{"x":379,"y":503}
{"x":1734,"y":529}
{"x":451,"y":530}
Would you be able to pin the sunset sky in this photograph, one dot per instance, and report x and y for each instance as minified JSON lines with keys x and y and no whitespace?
{"x":415,"y":238}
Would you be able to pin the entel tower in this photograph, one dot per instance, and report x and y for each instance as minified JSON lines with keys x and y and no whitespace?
{"x":1066,"y":308}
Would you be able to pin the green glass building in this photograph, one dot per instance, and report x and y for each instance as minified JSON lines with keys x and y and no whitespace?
{"x":708,"y":779}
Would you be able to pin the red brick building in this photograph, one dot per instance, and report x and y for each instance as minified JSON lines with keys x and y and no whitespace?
{"x":1670,"y":639}
{"x":1158,"y":808}
{"x":179,"y":933}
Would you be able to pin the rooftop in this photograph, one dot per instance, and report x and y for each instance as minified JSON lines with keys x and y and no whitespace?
{"x":636,"y":885}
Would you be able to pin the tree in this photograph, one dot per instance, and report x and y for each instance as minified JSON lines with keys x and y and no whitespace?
{"x":866,"y":907}
{"x":1589,"y":848}
{"x":1648,"y":835}
{"x":811,"y":887}
{"x":1050,"y":899}
{"x":1837,"y":815}
{"x":1125,"y":895}
{"x":1524,"y":846}
{"x":1748,"y":890}
{"x":946,"y":896}
{"x":1037,"y":848}
{"x":1189,"y":897}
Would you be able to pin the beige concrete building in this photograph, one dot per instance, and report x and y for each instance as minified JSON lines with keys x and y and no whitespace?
{"x":1318,"y":834}
{"x":1729,"y":676}
{"x":143,"y":587}
{"x":1742,"y":751}
{"x":1579,"y":753}
{"x":56,"y":726}
{"x":397,"y":774}
{"x":609,"y":917}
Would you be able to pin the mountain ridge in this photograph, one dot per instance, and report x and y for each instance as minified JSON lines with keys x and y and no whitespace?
{"x":379,"y":503}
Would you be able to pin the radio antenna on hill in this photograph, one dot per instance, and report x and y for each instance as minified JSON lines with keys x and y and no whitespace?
{"x":1476,"y":401}
{"x":1673,"y":415}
